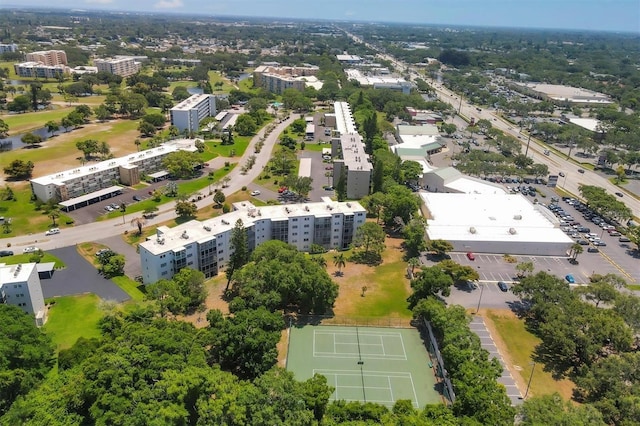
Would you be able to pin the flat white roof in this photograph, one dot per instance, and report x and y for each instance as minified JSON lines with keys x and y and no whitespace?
{"x":15,"y":273}
{"x":586,"y":123}
{"x":90,"y":196}
{"x":191,"y":102}
{"x":344,"y":119}
{"x":489,"y":217}
{"x":350,"y":58}
{"x":167,"y":147}
{"x":469,"y":185}
{"x":370,"y":80}
{"x":176,"y":238}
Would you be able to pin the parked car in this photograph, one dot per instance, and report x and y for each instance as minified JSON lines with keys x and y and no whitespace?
{"x":503,"y":286}
{"x":593,"y":250}
{"x":5,"y":253}
{"x":624,"y":240}
{"x":30,"y":249}
{"x":570,"y":279}
{"x":254,"y":193}
{"x":282,"y":189}
{"x":471,"y":256}
{"x":580,"y":170}
{"x":619,"y":194}
{"x":136,"y":198}
{"x":52,"y":231}
{"x":561,"y":174}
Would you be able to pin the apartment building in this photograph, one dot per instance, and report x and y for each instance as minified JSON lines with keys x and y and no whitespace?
{"x":48,"y":57}
{"x":206,"y":245}
{"x":69,"y":184}
{"x":348,"y":152}
{"x":277,"y":79}
{"x":123,"y":66}
{"x":8,"y":48}
{"x":20,"y":286}
{"x":188,"y":114}
{"x":38,"y":70}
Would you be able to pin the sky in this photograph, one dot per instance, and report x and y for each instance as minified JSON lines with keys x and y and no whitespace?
{"x":597,"y":15}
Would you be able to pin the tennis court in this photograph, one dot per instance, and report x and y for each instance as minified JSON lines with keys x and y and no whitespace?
{"x":367,"y":364}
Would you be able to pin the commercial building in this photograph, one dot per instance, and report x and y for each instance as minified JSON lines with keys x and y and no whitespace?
{"x":48,"y":57}
{"x":277,"y":79}
{"x":91,"y":179}
{"x":188,"y":114}
{"x":38,"y":70}
{"x":417,"y":141}
{"x":124,"y":66}
{"x":206,"y":245}
{"x":563,"y":95}
{"x":378,"y":81}
{"x":20,"y":286}
{"x":349,"y":157}
{"x":494,"y":223}
{"x":8,"y":48}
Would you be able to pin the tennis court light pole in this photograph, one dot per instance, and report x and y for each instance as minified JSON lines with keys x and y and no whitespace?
{"x":533,"y":367}
{"x":480,"y":298}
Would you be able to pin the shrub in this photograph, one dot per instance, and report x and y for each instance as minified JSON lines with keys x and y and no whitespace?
{"x":226,"y":208}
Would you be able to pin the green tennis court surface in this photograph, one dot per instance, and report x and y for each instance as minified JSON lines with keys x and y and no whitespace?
{"x":365,"y":364}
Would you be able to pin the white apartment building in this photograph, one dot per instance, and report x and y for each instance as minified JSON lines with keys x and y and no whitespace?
{"x":88,"y":179}
{"x":188,"y":114}
{"x":349,"y":156}
{"x":38,"y":70}
{"x":7,"y":48}
{"x":205,"y":245}
{"x":48,"y":57}
{"x":124,"y":66}
{"x":20,"y":286}
{"x":276,"y":79}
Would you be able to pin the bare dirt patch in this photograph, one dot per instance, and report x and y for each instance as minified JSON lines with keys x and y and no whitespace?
{"x":214,"y":300}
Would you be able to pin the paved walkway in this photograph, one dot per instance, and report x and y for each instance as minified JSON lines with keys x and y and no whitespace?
{"x":478,"y":326}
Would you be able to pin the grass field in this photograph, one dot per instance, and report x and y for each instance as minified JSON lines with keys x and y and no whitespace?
{"x":24,"y":258}
{"x":22,"y":123}
{"x":520,"y":345}
{"x":72,"y":317}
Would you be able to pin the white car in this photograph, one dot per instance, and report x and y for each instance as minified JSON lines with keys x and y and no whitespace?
{"x":256,"y":192}
{"x":30,"y":249}
{"x":52,"y":231}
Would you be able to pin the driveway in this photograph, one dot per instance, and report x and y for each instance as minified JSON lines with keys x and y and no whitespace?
{"x":79,"y":277}
{"x":132,"y":266}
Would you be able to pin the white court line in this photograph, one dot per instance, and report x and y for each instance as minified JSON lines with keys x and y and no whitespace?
{"x":356,"y":356}
{"x":384,"y":353}
{"x":402,"y":374}
{"x":390,"y":388}
{"x":334,"y":343}
{"x":415,"y":396}
{"x":404,"y":353}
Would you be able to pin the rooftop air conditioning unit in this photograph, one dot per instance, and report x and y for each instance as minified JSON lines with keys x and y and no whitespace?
{"x":513,"y":231}
{"x":207,"y":228}
{"x":517,"y":217}
{"x":472,"y":230}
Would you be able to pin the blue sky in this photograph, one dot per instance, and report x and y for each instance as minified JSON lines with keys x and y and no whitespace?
{"x":608,"y":15}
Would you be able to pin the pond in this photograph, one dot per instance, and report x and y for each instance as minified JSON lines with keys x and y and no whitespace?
{"x":14,"y":142}
{"x":195,"y":90}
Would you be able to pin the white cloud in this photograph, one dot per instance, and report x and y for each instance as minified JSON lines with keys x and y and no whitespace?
{"x":169,"y":4}
{"x":99,"y":1}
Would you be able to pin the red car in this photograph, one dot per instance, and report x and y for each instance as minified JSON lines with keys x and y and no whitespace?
{"x":471,"y":256}
{"x":282,"y":189}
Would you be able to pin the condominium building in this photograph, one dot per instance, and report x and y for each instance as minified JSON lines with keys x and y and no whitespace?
{"x":206,"y":245}
{"x":188,"y":114}
{"x":124,"y":66}
{"x":277,"y":79}
{"x":8,"y":48}
{"x":48,"y":57}
{"x":349,"y":157}
{"x":38,"y":70}
{"x":20,"y":286}
{"x":68,"y":184}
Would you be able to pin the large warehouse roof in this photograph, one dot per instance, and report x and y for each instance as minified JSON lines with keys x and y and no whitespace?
{"x":490,"y":217}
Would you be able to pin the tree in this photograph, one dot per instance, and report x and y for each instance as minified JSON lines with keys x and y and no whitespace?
{"x":598,"y":292}
{"x":429,"y":281}
{"x":31,"y":139}
{"x":19,"y":169}
{"x":553,"y":410}
{"x":88,"y":147}
{"x":239,"y":247}
{"x":458,"y":272}
{"x":524,"y":269}
{"x":146,"y":129}
{"x":219,"y":198}
{"x":156,"y":119}
{"x":180,"y":93}
{"x":190,"y":284}
{"x":53,"y":214}
{"x":441,"y":247}
{"x":411,"y":171}
{"x":245,"y":343}
{"x":4,"y":129}
{"x":52,"y":127}
{"x":26,"y":355}
{"x":369,"y":237}
{"x":20,"y":103}
{"x":181,"y":164}
{"x":114,"y":266}
{"x":414,"y":237}
{"x":186,"y":208}
{"x":246,"y":125}
{"x":575,"y":250}
{"x":139,"y":222}
{"x":339,"y":261}
{"x":102,"y":113}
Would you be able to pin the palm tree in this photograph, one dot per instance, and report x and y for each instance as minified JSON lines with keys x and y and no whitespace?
{"x":320,"y":260}
{"x":123,"y":209}
{"x":413,"y":262}
{"x":54,"y":214}
{"x":576,"y":249}
{"x":139,"y":222}
{"x":339,"y":262}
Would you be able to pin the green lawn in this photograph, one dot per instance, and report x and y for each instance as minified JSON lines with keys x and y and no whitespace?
{"x":71,"y":317}
{"x":21,"y":123}
{"x":131,"y":287}
{"x":20,"y":257}
{"x":521,"y":345}
{"x":240,"y":146}
{"x":24,"y":217}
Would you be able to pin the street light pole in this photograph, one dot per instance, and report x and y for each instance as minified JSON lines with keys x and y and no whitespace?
{"x":528,"y":141}
{"x":480,"y":298}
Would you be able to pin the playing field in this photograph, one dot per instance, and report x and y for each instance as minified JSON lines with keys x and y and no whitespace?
{"x":380,"y":365}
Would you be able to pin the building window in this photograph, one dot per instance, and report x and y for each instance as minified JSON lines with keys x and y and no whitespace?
{"x":162,"y":265}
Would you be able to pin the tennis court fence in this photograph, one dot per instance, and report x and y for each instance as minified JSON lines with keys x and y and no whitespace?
{"x":434,"y":351}
{"x":344,"y":321}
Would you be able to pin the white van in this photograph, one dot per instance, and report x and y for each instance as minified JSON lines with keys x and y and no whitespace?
{"x":52,"y":231}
